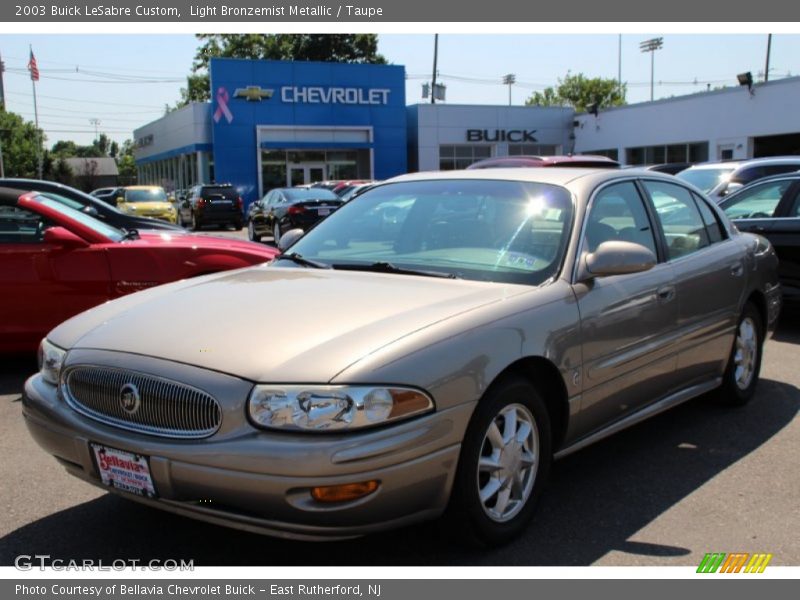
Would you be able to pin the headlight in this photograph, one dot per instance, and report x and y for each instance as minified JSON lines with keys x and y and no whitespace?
{"x":51,"y":358}
{"x":333,"y":408}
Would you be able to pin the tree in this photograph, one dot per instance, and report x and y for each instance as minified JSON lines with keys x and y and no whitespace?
{"x":581,"y":92}
{"x":61,"y":172}
{"x":19,"y":139}
{"x":348,"y":48}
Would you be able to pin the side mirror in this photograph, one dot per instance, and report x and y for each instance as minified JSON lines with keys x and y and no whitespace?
{"x":289,"y":238}
{"x":732,"y":187}
{"x":90,"y":210}
{"x":617,"y":258}
{"x":63,"y":238}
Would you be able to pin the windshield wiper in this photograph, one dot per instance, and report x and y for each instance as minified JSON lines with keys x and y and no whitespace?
{"x":298,"y":259}
{"x":387,"y":267}
{"x":131,"y":234}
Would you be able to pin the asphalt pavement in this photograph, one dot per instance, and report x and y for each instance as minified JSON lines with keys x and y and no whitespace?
{"x":699,"y":478}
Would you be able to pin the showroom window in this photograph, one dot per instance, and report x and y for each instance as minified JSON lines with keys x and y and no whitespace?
{"x":670,"y":153}
{"x":531,"y":149}
{"x":461,"y":156}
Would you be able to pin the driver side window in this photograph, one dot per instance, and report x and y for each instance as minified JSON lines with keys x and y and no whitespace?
{"x":759,"y":202}
{"x":618,"y":213}
{"x":20,"y":226}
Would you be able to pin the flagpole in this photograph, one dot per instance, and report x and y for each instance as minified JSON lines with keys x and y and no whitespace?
{"x":36,"y":122}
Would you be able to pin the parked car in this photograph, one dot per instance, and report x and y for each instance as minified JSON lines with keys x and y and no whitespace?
{"x":106,"y":194}
{"x":91,"y":205}
{"x":217,"y":204}
{"x":771,"y":207}
{"x":58,"y":261}
{"x":571,"y":160}
{"x":669,"y":168}
{"x":501,"y":319}
{"x":717,"y":179}
{"x":147,"y":201}
{"x":345,"y":186}
{"x":357,"y":189}
{"x":283,"y":209}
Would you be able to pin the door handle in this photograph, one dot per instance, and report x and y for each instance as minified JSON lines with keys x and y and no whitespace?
{"x":737,"y":270}
{"x":666,"y":293}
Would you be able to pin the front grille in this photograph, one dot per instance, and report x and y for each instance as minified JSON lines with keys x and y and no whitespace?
{"x":164,"y":408}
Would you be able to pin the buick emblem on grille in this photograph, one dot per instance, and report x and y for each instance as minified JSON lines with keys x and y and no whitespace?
{"x":129,"y":398}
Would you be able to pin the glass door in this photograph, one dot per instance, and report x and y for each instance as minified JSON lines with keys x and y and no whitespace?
{"x":305,"y":174}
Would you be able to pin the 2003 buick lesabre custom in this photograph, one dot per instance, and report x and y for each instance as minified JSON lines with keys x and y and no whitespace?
{"x":431,"y":345}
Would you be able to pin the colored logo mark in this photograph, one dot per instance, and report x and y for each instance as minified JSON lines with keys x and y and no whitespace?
{"x":253,"y":93}
{"x":735,"y":562}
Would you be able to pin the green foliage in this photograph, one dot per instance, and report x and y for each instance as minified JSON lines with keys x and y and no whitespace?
{"x":61,"y":172}
{"x":19,"y":139}
{"x":580,"y":92}
{"x":348,"y":48}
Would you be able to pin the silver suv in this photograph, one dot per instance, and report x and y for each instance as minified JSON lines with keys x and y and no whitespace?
{"x":718,"y":179}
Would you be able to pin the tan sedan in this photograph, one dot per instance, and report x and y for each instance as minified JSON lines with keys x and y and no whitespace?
{"x":432,"y":345}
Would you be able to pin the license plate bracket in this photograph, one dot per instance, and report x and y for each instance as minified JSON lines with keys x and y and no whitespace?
{"x":122,"y":470}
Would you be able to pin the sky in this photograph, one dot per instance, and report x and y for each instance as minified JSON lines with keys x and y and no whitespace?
{"x":125,"y":80}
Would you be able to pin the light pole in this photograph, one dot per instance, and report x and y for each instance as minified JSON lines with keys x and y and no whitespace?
{"x":651,"y":46}
{"x":95,"y":122}
{"x":509,"y":80}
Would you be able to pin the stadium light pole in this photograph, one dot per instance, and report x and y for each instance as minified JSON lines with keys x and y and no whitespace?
{"x":509,"y":80}
{"x":651,"y":46}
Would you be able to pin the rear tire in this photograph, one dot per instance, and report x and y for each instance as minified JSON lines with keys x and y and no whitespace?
{"x":195,"y":224}
{"x":744,"y":364}
{"x":276,"y":233}
{"x":503,"y":465}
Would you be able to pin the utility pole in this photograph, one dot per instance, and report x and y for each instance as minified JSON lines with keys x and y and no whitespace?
{"x":95,"y":122}
{"x":766,"y":68}
{"x":651,"y":46}
{"x":2,"y":89}
{"x":435,"y":59}
{"x":509,"y":80}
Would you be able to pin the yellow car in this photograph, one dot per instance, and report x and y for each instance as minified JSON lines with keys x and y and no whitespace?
{"x":146,"y":201}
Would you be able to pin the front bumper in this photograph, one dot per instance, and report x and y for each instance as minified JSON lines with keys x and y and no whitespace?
{"x":260,"y":481}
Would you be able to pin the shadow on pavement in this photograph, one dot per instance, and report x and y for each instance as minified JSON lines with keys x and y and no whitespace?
{"x":596,"y":500}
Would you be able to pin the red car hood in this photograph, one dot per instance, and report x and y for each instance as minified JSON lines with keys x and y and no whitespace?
{"x":188,"y":240}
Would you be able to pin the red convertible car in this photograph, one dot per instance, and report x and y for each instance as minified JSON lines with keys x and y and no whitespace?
{"x":56,"y":262}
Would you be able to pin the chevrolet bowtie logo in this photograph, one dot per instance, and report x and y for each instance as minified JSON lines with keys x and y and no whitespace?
{"x":253,"y":93}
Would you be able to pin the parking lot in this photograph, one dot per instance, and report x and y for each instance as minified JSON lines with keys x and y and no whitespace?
{"x":697,"y":479}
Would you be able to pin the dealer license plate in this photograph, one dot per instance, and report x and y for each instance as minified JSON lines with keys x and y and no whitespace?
{"x":124,"y":470}
{"x":324,"y":212}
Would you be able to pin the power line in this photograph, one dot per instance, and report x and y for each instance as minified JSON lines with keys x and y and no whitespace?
{"x":161,"y":108}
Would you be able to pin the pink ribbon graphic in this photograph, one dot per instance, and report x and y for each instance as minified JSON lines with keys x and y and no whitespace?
{"x":222,"y":106}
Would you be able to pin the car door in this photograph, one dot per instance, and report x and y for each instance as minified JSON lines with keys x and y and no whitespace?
{"x":770,"y":208}
{"x":709,"y":275}
{"x":628,"y":322}
{"x":43,"y":283}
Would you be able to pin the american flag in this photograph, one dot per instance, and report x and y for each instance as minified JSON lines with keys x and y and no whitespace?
{"x":33,"y":67}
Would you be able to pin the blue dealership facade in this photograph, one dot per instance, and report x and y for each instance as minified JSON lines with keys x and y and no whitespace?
{"x":277,"y":123}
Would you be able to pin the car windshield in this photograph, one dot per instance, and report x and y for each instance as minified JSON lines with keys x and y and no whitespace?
{"x":706,"y":179}
{"x":484,"y":230}
{"x":106,"y":230}
{"x":148,"y":195}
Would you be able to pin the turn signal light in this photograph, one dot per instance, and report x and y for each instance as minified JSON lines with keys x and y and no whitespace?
{"x":296,"y":210}
{"x":345,"y":492}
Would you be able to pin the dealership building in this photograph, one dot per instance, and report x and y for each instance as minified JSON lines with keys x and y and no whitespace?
{"x":278,"y":123}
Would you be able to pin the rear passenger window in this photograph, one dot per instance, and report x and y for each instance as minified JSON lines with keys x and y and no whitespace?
{"x":618,"y":213}
{"x":714,"y":230}
{"x":680,"y":218}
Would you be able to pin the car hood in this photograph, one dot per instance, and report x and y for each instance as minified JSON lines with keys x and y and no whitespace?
{"x":186,"y":239}
{"x":272,"y":324}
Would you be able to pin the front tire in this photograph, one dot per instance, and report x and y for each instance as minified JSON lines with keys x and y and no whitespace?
{"x":744,"y":364}
{"x":251,"y":232}
{"x":504,"y":462}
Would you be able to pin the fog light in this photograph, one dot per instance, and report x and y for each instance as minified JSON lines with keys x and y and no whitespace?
{"x":345,"y":492}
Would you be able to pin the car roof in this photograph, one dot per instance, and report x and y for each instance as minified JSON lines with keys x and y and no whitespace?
{"x":528,"y":160}
{"x":562,"y":176}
